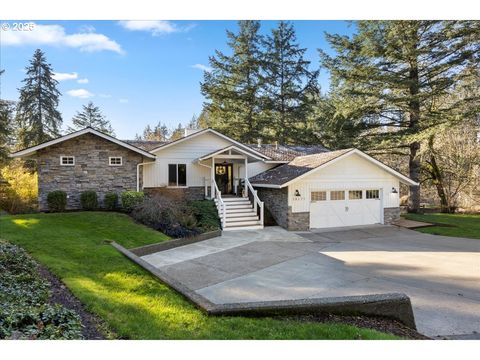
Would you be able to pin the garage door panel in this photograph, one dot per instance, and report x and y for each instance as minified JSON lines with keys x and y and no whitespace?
{"x":348,"y":212}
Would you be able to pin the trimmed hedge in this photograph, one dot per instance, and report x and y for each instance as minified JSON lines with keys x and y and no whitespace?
{"x":130,"y":199}
{"x":25,"y":312}
{"x":89,"y":200}
{"x":110,"y":201}
{"x":57,"y":200}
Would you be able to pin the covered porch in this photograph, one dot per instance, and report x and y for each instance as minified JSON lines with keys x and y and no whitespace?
{"x":229,"y":180}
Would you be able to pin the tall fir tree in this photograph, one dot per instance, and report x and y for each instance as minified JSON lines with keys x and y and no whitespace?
{"x":232,"y":87}
{"x":6,"y":127}
{"x":91,"y":116}
{"x":159,"y":133}
{"x":390,"y":75}
{"x":178,"y":132}
{"x":37,"y":115}
{"x":289,"y":87}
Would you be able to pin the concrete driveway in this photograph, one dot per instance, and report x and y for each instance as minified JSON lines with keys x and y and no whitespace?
{"x":440,"y":274}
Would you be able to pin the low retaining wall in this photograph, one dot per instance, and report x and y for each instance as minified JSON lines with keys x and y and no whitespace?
{"x":170,"y":244}
{"x":393,"y":305}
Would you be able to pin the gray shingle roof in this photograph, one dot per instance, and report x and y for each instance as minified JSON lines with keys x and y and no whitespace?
{"x":146,"y":145}
{"x":295,"y":168}
{"x":287,"y":152}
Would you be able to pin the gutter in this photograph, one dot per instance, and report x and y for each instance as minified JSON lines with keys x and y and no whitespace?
{"x":138,"y":172}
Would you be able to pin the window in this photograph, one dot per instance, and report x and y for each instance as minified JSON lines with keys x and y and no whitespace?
{"x":177,"y":175}
{"x":355,"y":194}
{"x":67,"y":160}
{"x":115,"y":161}
{"x":318,"y":196}
{"x":372,"y":194}
{"x":337,"y":195}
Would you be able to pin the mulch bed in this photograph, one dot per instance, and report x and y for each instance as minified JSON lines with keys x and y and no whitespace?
{"x":60,"y":294}
{"x":385,"y":325}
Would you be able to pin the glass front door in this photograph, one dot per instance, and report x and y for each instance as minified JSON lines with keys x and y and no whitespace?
{"x":224,"y":178}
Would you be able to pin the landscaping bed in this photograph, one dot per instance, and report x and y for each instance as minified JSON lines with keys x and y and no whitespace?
{"x":28,"y":310}
{"x":75,"y":247}
{"x":458,"y":225}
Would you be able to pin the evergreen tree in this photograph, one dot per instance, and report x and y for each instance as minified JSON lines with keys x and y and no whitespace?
{"x":37,"y":115}
{"x":6,"y":127}
{"x":232,"y":88}
{"x":391,"y":74}
{"x":159,"y":133}
{"x":178,"y":133}
{"x":289,"y":88}
{"x":91,"y":116}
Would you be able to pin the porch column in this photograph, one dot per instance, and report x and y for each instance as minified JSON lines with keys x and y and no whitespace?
{"x":212,"y":178}
{"x":246,"y":177}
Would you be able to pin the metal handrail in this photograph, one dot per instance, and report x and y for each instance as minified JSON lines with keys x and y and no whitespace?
{"x":256,"y":199}
{"x":221,"y":203}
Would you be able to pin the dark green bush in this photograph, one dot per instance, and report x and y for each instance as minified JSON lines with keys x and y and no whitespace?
{"x":206,"y":214}
{"x":57,"y":200}
{"x":25,"y":312}
{"x":89,"y":200}
{"x":110,"y":201}
{"x":173,"y":218}
{"x":130,"y":199}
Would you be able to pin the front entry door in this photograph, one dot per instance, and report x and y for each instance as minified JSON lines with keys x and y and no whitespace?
{"x":224,"y":178}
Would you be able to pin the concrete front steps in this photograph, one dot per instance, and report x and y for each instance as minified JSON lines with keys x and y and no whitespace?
{"x":240,"y":214}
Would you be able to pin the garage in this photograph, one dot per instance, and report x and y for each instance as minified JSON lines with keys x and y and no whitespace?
{"x":351,"y":207}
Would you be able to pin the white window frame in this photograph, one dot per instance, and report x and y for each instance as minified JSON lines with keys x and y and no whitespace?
{"x":67,"y":156}
{"x":115,"y":157}
{"x":176,"y":170}
{"x":318,"y":191}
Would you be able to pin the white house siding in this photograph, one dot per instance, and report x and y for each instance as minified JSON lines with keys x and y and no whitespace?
{"x":351,"y":173}
{"x":185,"y":152}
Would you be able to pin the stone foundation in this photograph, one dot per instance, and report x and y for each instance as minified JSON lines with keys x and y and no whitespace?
{"x":90,"y":172}
{"x":391,"y":215}
{"x":299,"y":221}
{"x":179,"y":194}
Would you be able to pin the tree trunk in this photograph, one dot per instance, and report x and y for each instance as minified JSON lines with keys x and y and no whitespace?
{"x":437,"y":178}
{"x":414,"y":173}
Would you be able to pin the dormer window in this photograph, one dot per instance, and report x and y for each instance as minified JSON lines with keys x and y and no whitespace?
{"x":67,"y":160}
{"x":115,"y":161}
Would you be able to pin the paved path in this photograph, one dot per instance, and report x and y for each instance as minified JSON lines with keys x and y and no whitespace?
{"x":440,"y":274}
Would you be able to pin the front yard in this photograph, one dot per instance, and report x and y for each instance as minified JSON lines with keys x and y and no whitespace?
{"x":459,"y":225}
{"x":75,"y":247}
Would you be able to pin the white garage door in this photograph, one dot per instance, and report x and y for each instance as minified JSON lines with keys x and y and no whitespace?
{"x":334,"y":208}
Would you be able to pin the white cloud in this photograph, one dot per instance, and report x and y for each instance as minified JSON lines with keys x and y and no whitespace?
{"x":55,"y":35}
{"x":80,"y":93}
{"x":65,"y":76}
{"x":123,"y":101}
{"x":155,"y":27}
{"x":202,"y":67}
{"x":83,"y":81}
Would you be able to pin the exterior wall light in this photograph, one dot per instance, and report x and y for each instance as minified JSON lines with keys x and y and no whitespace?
{"x":297,"y":193}
{"x":394,"y":191}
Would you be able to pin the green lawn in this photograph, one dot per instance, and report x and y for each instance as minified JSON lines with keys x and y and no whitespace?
{"x":132,"y":302}
{"x":467,"y":226}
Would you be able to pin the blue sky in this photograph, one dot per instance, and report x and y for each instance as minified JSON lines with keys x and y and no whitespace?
{"x":139,"y":73}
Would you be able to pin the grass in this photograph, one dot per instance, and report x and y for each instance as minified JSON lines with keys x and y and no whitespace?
{"x":132,"y":302}
{"x":458,"y":225}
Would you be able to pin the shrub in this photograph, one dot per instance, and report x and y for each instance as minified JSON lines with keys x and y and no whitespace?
{"x":130,"y":199}
{"x":57,"y":200}
{"x":110,"y":201}
{"x":89,"y":200}
{"x":173,"y":218}
{"x":206,"y":214}
{"x":18,"y":188}
{"x":25,"y":312}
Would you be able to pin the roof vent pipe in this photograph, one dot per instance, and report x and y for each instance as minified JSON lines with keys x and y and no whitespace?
{"x":259,"y":142}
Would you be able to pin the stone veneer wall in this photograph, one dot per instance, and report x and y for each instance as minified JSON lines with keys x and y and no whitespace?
{"x":299,"y":221}
{"x":390,"y":215}
{"x":91,"y":170}
{"x":276,"y":202}
{"x":187,"y":193}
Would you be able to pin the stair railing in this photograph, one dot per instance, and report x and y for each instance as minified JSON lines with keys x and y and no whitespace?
{"x":258,"y":205}
{"x":220,"y":203}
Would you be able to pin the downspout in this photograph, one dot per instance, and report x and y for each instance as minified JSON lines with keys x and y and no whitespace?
{"x":138,"y":172}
